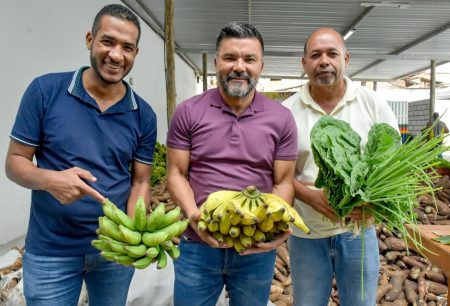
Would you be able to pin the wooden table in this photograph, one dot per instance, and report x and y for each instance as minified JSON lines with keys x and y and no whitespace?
{"x":441,"y":258}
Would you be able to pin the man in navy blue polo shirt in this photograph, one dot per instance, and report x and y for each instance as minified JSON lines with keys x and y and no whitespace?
{"x":86,"y":129}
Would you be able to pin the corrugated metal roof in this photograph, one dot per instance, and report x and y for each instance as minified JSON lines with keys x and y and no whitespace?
{"x":389,"y":42}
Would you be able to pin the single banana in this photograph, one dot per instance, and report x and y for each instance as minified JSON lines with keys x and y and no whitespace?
{"x":259,"y":209}
{"x":202,"y":225}
{"x":109,"y":255}
{"x":100,"y":245}
{"x":266,"y":224}
{"x":277,"y":213}
{"x":281,"y":226}
{"x":259,"y":236}
{"x":117,"y":246}
{"x":228,"y":240}
{"x":129,"y":236}
{"x":155,"y":217}
{"x":161,"y":260}
{"x":235,"y":231}
{"x":213,"y":226}
{"x":142,"y":263}
{"x":154,"y":239}
{"x":109,"y":228}
{"x":136,"y":251}
{"x":225,"y":223}
{"x":238,"y":245}
{"x":218,"y":236}
{"x":108,"y":210}
{"x":152,"y":251}
{"x":298,"y":221}
{"x":140,"y":214}
{"x":235,"y":219}
{"x":174,"y":252}
{"x":246,"y":241}
{"x":123,"y":218}
{"x":219,"y":212}
{"x":124,"y":260}
{"x":166,"y":245}
{"x":169,"y":218}
{"x":249,"y":230}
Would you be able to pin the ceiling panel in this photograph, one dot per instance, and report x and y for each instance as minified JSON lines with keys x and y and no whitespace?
{"x":388,"y":41}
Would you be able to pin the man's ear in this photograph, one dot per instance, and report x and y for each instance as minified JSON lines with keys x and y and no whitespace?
{"x":89,"y":40}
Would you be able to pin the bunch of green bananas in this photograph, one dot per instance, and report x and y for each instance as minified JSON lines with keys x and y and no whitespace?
{"x":141,"y":241}
{"x":242,"y":219}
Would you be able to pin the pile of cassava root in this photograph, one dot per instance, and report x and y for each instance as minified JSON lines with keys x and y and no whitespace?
{"x":403,"y":279}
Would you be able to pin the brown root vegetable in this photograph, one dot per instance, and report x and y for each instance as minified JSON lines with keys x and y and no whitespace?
{"x":435,"y":288}
{"x":276,"y":289}
{"x":395,"y":244}
{"x":435,"y":276}
{"x":396,"y":281}
{"x":414,"y":273}
{"x":392,"y":255}
{"x":410,"y":289}
{"x":381,"y":246}
{"x":284,"y":254}
{"x":412,"y":262}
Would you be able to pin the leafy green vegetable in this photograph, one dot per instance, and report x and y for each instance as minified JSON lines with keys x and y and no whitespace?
{"x":159,"y":164}
{"x":385,"y":180}
{"x":443,"y":239}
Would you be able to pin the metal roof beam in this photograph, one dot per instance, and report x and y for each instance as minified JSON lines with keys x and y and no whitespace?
{"x":407,"y":46}
{"x":358,"y":19}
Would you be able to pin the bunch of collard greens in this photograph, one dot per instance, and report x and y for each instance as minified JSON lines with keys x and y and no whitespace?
{"x":384,"y":180}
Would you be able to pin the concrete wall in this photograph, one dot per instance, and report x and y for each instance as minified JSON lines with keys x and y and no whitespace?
{"x":418,"y":115}
{"x":45,"y":36}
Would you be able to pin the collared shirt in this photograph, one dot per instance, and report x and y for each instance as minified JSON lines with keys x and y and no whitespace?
{"x":65,"y":125}
{"x":229,"y":152}
{"x":361,"y":108}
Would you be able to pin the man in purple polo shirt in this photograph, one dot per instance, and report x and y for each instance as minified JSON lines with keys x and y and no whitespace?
{"x":228,"y":138}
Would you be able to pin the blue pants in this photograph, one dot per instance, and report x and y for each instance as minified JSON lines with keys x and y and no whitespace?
{"x":201,"y":272}
{"x":57,"y":281}
{"x":314,"y":262}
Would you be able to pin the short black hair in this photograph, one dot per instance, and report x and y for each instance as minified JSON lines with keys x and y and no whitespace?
{"x":238,"y":30}
{"x":118,"y":11}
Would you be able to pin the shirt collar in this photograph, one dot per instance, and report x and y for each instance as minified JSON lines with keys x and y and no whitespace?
{"x":76,"y":89}
{"x":349,"y":95}
{"x":216,"y":100}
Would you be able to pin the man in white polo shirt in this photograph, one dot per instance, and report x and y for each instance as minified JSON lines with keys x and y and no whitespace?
{"x":330,"y":250}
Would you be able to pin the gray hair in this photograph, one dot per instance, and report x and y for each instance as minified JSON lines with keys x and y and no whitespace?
{"x":238,"y":30}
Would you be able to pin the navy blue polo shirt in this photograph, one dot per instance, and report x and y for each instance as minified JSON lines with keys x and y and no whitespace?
{"x":65,"y":125}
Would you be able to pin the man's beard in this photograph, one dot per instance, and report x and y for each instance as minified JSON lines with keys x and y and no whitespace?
{"x":327,"y":81}
{"x":97,"y":70}
{"x":238,"y":90}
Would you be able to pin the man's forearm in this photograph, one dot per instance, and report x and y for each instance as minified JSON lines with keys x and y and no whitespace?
{"x":181,"y":192}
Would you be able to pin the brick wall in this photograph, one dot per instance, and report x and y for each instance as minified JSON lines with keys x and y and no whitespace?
{"x":418,"y":115}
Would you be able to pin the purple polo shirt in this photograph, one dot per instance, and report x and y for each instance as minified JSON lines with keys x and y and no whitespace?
{"x":229,"y":152}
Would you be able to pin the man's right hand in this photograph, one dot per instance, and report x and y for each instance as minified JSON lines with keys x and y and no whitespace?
{"x":317,"y":200}
{"x":204,"y":235}
{"x":69,"y":185}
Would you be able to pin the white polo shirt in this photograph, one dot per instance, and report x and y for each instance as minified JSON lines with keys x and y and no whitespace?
{"x":361,"y":108}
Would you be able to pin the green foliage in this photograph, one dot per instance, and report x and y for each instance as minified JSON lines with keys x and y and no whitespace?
{"x":159,"y":164}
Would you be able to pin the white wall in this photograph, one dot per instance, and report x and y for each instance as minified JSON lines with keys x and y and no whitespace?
{"x":45,"y":36}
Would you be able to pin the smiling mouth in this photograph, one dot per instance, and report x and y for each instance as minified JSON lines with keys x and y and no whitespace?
{"x":112,"y":66}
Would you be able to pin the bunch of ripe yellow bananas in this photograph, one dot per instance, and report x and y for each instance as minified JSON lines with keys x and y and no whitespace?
{"x":242,"y":219}
{"x":141,"y":241}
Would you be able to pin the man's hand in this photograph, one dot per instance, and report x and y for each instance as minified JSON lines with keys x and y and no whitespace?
{"x":268,"y":246}
{"x":357,"y":215}
{"x":318,"y":201}
{"x":69,"y":185}
{"x":204,"y":235}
